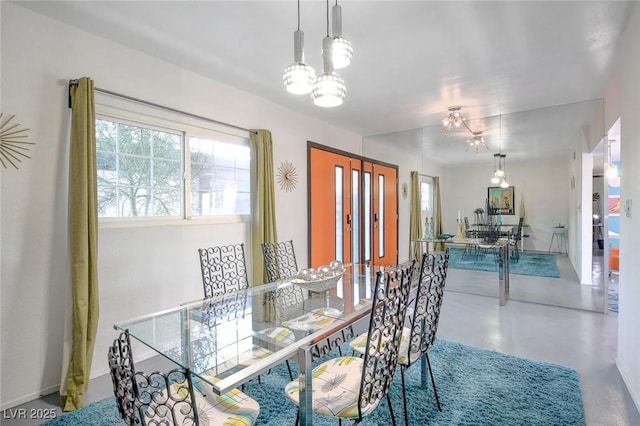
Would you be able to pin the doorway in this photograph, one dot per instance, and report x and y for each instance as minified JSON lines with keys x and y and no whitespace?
{"x":353,"y":208}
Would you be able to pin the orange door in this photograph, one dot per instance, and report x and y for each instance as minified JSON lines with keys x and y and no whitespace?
{"x":330,"y":207}
{"x":385,"y":214}
{"x":353,"y":208}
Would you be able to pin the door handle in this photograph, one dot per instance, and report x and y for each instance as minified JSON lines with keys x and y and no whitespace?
{"x":375,"y":217}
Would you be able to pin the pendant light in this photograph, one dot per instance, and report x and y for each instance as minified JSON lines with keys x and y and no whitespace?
{"x":504,"y":183}
{"x":496,"y":166}
{"x":298,"y":78}
{"x":329,"y":89}
{"x":342,"y":50}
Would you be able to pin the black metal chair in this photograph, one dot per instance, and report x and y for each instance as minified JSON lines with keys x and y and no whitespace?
{"x":224,"y":272}
{"x":279,"y":260}
{"x":424,"y":321}
{"x":223,"y":269}
{"x":515,"y":239}
{"x":352,"y":387}
{"x":169,"y":398}
{"x":419,"y":332}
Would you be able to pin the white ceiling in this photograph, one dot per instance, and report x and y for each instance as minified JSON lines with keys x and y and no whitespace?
{"x":412,"y":59}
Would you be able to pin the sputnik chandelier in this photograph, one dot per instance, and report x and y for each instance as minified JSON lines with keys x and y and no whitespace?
{"x":476,"y":141}
{"x":454,"y":119}
{"x":327,"y":89}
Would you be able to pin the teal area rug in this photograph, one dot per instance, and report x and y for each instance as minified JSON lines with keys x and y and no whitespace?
{"x":476,"y":387}
{"x":530,"y":263}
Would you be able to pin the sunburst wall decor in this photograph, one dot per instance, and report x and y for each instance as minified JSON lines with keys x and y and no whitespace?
{"x":287,"y":176}
{"x":12,"y":143}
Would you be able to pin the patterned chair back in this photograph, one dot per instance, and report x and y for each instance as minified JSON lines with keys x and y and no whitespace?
{"x":150,"y":399}
{"x":279,"y":260}
{"x":423,"y":322}
{"x":391,"y":296}
{"x":223,"y":269}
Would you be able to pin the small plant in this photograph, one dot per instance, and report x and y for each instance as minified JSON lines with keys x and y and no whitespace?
{"x":479,"y":210}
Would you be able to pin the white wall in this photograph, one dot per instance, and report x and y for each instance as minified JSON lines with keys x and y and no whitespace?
{"x":544,"y":185}
{"x":141,"y":269}
{"x":623,"y":100}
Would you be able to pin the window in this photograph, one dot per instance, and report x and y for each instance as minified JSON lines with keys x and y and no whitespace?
{"x":143,"y":171}
{"x":220,"y":178}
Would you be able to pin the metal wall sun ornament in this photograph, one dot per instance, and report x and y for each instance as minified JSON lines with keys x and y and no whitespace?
{"x":12,"y":145}
{"x":287,"y":176}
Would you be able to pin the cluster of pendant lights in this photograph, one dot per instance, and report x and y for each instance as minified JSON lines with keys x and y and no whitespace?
{"x":499,"y":170}
{"x":327,"y":89}
{"x":456,"y":119}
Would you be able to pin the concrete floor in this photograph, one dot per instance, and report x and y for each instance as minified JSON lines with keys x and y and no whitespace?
{"x":583,"y":340}
{"x":565,"y":291}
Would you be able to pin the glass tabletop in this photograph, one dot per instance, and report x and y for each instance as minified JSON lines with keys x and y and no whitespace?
{"x":229,"y":339}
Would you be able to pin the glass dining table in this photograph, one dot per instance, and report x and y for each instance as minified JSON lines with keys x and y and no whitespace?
{"x":227,"y":340}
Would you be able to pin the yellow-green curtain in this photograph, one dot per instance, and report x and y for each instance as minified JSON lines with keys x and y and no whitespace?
{"x":264,"y":215}
{"x":415,"y":221}
{"x":84,"y":243}
{"x":438,"y":219}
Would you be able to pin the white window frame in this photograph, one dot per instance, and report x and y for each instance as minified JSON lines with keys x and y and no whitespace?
{"x":110,"y":108}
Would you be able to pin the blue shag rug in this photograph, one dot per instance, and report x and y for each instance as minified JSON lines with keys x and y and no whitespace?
{"x":476,"y":387}
{"x":530,"y":263}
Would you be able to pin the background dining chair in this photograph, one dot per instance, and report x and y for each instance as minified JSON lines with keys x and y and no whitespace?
{"x":224,"y":272}
{"x":223,"y":269}
{"x":279,"y":260}
{"x":170,"y":398}
{"x":352,"y":387}
{"x":280,"y":264}
{"x":515,"y":239}
{"x":421,"y":324}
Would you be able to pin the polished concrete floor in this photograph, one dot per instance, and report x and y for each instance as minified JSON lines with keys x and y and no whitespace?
{"x":583,"y":340}
{"x":565,"y":291}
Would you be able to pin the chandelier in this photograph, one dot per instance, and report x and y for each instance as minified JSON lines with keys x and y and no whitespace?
{"x":476,"y":141}
{"x":499,"y":173}
{"x":327,"y":89}
{"x":454,"y":119}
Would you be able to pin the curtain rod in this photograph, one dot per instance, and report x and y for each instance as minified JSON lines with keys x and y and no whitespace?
{"x":166,"y":108}
{"x":429,"y":176}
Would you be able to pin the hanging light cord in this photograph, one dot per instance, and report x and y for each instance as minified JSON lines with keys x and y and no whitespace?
{"x":328,"y":17}
{"x":298,"y":15}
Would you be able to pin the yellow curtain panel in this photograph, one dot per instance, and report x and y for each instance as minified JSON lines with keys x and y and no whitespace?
{"x":264,"y":221}
{"x":438,"y":220}
{"x":415,"y":221}
{"x":84,"y":242}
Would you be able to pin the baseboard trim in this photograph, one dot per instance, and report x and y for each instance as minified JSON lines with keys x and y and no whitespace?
{"x":30,"y":397}
{"x":625,"y":378}
{"x":55,"y":388}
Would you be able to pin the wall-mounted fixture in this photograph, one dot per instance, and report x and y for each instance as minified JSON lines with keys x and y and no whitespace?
{"x":12,"y":145}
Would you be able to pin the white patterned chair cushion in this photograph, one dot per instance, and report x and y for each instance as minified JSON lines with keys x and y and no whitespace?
{"x":310,"y":322}
{"x":360,"y":343}
{"x":233,"y":408}
{"x":335,"y":386}
{"x":280,"y":334}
